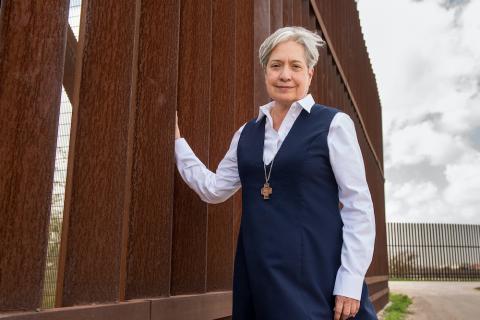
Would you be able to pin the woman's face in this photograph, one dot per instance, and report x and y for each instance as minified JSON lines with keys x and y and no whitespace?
{"x":287,"y":75}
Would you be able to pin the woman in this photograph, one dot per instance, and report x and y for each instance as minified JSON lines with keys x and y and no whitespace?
{"x":299,"y":256}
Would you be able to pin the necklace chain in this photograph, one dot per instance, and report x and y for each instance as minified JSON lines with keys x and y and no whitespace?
{"x":269,"y":171}
{"x":271,"y":163}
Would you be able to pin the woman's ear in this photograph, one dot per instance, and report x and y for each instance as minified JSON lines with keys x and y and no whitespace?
{"x":310,"y":73}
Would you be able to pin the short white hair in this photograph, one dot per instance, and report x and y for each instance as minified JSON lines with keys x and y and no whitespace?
{"x":309,"y":40}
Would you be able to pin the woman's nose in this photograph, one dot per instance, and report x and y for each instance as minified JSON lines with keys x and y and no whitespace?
{"x":285,"y":74}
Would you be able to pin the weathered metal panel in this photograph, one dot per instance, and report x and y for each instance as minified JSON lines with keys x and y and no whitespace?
{"x":32,"y":49}
{"x":212,"y":305}
{"x":148,"y":259}
{"x":189,"y":257}
{"x":261,"y":25}
{"x":296,"y":12}
{"x":222,"y":121}
{"x":98,"y":166}
{"x":305,"y":14}
{"x":246,"y":58}
{"x":287,"y":12}
{"x":276,"y":14}
{"x":137,"y":310}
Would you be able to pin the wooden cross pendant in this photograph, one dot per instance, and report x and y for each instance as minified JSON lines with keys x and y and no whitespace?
{"x":266,"y":191}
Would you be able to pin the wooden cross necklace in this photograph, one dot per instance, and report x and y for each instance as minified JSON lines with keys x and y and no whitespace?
{"x":266,"y":191}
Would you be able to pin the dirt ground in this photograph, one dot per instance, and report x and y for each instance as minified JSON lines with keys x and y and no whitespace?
{"x":440,"y":300}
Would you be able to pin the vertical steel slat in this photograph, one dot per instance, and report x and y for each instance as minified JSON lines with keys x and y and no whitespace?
{"x":435,"y":255}
{"x":276,"y":15}
{"x":98,"y":167}
{"x":287,"y":12}
{"x":476,"y":237}
{"x":190,"y":219}
{"x":32,"y":48}
{"x":220,"y":216}
{"x":261,"y":26}
{"x":245,"y":109}
{"x":446,"y":250}
{"x":469,"y":248}
{"x":457,"y":250}
{"x":147,"y":242}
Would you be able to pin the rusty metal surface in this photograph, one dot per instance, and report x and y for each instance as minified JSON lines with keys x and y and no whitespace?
{"x":287,"y":13}
{"x":31,"y":72}
{"x":138,"y":310}
{"x":97,"y":171}
{"x":297,"y":13}
{"x":152,"y":184}
{"x":211,"y":305}
{"x":69,"y":67}
{"x":243,"y":94}
{"x":189,"y":255}
{"x":261,"y":27}
{"x":222,"y":112}
{"x":276,"y":15}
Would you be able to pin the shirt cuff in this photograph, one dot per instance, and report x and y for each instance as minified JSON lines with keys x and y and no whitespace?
{"x":348,"y":285}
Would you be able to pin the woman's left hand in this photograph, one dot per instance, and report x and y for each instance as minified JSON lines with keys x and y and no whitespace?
{"x":345,"y":307}
{"x":177,"y":130}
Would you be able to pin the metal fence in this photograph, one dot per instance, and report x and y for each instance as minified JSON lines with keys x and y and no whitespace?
{"x":426,"y":251}
{"x":120,"y":230}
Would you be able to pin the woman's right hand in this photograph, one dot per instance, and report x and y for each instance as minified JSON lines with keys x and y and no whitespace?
{"x":177,"y":130}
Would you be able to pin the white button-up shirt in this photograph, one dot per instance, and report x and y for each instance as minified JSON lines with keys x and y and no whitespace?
{"x":348,"y":167}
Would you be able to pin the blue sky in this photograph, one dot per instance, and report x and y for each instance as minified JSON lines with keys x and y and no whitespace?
{"x":426,"y":57}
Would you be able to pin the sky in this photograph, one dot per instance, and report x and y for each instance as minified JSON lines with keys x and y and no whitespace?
{"x":426,"y":58}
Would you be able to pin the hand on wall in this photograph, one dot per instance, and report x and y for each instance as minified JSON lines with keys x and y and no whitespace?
{"x":177,"y":130}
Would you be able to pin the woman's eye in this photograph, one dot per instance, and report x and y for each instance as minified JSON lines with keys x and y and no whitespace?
{"x":297,"y":67}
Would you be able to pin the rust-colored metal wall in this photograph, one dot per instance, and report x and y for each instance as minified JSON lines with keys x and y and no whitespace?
{"x":132,"y":229}
{"x":32,"y":54}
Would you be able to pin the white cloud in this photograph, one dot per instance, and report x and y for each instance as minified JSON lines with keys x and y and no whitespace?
{"x":464,"y":180}
{"x":422,"y":142}
{"x":416,"y":193}
{"x":419,"y":55}
{"x":415,"y":201}
{"x":421,"y":201}
{"x":463,"y":114}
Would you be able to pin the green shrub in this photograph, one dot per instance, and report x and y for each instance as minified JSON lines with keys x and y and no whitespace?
{"x":398,"y":309}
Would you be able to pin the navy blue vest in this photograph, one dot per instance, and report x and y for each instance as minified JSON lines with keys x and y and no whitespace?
{"x":289,"y":247}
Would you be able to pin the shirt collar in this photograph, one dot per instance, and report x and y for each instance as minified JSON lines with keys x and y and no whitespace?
{"x":306,"y":103}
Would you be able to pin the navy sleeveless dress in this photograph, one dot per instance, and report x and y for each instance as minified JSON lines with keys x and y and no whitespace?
{"x":289,"y":247}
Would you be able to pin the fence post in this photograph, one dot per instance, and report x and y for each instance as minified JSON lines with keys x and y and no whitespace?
{"x":99,"y":164}
{"x":32,"y":49}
